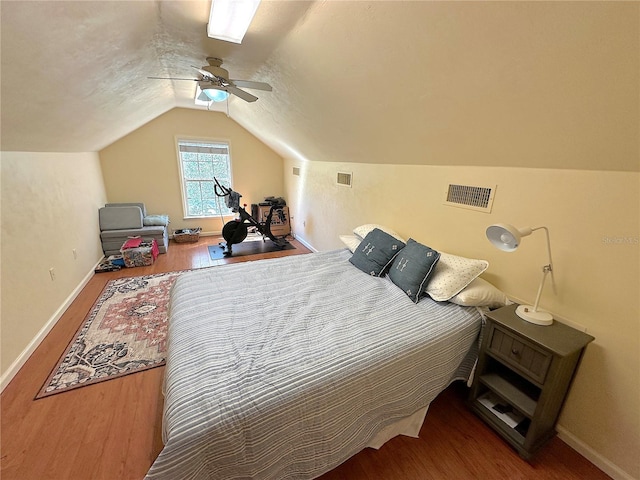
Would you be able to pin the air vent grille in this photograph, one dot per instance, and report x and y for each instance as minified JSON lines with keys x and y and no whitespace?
{"x":471,"y":197}
{"x":344,"y":179}
{"x":296,"y":171}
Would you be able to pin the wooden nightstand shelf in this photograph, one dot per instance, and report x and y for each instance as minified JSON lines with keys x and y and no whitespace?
{"x":523,"y":376}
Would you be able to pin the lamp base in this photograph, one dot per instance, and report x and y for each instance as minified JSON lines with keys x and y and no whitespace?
{"x":526,"y":312}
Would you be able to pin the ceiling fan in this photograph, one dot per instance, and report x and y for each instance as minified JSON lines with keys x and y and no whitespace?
{"x":214,"y":78}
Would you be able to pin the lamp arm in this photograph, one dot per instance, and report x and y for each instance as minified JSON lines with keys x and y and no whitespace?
{"x":549,"y":267}
{"x":553,"y":282}
{"x":539,"y":294}
{"x":546,"y":230}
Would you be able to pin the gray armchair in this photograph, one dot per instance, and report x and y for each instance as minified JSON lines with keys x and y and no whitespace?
{"x":119,"y":221}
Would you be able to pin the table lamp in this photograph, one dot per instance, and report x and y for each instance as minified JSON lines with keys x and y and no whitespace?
{"x":507,"y":238}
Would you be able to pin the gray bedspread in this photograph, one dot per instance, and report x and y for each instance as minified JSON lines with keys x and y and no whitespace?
{"x":283,"y":369}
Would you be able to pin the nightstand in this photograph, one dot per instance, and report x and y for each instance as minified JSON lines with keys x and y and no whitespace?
{"x":523,"y":376}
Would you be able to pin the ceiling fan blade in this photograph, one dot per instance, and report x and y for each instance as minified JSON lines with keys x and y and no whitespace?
{"x":253,"y":85}
{"x":172,"y":78}
{"x":204,"y":73}
{"x":247,"y":97}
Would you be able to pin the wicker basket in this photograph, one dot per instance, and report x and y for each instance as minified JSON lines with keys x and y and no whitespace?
{"x":187,"y":235}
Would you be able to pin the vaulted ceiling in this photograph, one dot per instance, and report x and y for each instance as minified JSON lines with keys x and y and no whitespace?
{"x":74,"y":73}
{"x":521,"y":84}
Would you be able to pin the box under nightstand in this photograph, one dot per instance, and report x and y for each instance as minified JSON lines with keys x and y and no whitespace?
{"x":523,"y":376}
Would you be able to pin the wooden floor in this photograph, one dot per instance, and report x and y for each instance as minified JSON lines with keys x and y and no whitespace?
{"x":112,"y":430}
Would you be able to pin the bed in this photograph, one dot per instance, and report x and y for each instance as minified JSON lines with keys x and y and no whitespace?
{"x":285,"y":368}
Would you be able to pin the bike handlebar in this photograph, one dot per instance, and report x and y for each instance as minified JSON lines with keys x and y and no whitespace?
{"x":218,"y":187}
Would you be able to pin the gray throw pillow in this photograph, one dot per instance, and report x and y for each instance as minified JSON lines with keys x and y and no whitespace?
{"x":412,"y":268}
{"x":156,"y":220}
{"x":376,"y":252}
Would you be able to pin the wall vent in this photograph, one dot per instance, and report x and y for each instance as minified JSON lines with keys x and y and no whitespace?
{"x":470,"y":197}
{"x":344,"y":179}
{"x":296,"y":171}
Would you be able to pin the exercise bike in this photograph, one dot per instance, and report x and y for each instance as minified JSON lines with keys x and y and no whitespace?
{"x":235,"y":231}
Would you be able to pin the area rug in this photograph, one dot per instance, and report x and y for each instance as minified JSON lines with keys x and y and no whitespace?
{"x":124,"y":333}
{"x":248,"y":247}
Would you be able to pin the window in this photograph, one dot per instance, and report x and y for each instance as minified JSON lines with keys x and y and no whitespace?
{"x":199,"y":163}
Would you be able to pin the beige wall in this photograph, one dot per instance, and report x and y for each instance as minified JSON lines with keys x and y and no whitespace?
{"x":143,"y":166}
{"x":50,"y":207}
{"x":593,"y":217}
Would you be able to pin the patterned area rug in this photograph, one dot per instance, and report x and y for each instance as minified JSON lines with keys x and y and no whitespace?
{"x":125,"y":332}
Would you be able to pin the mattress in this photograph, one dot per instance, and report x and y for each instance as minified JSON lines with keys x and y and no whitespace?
{"x":285,"y":368}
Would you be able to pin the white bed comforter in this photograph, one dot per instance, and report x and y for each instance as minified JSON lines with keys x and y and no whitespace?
{"x":283,"y":369}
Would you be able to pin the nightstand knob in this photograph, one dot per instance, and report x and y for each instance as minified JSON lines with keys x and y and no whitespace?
{"x":515,"y":351}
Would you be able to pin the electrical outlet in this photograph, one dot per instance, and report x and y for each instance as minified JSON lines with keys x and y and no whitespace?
{"x":52,"y":273}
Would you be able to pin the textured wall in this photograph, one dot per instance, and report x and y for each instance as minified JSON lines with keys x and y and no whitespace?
{"x":50,"y":207}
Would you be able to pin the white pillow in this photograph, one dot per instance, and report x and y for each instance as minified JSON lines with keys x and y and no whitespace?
{"x":351,"y":241}
{"x":363,"y":230}
{"x":451,"y":274}
{"x":480,"y":293}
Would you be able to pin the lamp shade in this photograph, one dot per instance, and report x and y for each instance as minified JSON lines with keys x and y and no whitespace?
{"x":506,"y":237}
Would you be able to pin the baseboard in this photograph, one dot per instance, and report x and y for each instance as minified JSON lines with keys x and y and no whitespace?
{"x":206,"y":234}
{"x":590,"y":454}
{"x":15,"y":367}
{"x":305,"y":243}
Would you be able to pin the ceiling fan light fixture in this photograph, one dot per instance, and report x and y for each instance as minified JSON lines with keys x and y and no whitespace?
{"x":210,"y":93}
{"x":230,"y":19}
{"x":216,"y":95}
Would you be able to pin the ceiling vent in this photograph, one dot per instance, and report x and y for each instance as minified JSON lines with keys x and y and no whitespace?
{"x":344,"y":179}
{"x":296,"y":171}
{"x":470,"y":197}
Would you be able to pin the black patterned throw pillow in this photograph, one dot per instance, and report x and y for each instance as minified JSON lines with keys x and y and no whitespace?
{"x":412,"y":268}
{"x":376,"y":252}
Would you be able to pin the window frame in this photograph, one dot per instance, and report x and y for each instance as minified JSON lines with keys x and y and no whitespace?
{"x":183,"y":181}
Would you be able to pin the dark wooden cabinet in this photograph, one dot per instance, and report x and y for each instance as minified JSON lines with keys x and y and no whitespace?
{"x":523,"y":376}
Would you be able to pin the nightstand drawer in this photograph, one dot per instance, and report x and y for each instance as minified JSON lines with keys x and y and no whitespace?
{"x":520,"y":354}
